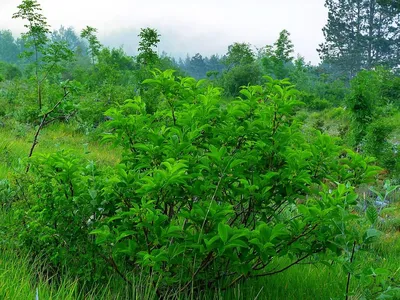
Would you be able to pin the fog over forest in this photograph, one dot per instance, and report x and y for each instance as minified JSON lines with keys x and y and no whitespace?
{"x":187,"y":27}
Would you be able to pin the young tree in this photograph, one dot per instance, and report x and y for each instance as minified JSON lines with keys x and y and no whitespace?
{"x":282,"y":54}
{"x":239,"y":54}
{"x":89,"y":33}
{"x":48,"y":56}
{"x":276,"y":58}
{"x":241,"y":68}
{"x":284,"y":47}
{"x":149,"y":39}
{"x":36,"y":36}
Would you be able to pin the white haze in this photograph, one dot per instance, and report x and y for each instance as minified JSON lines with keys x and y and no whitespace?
{"x":187,"y":26}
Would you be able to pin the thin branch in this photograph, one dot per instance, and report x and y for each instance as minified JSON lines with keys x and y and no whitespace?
{"x":206,"y":261}
{"x":112,"y":263}
{"x":349,"y":274}
{"x":305,"y":233}
{"x":287,"y":267}
{"x":42,"y":125}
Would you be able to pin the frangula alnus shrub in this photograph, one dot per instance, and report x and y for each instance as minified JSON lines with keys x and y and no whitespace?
{"x":206,"y":191}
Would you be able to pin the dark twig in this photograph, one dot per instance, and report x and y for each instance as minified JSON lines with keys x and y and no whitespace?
{"x":113,"y":264}
{"x":206,"y":261}
{"x":42,"y":125}
{"x":349,"y":274}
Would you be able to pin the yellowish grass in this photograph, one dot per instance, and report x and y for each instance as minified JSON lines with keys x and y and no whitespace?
{"x":14,"y":149}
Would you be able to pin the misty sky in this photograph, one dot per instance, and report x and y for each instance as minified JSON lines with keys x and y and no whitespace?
{"x":187,"y":26}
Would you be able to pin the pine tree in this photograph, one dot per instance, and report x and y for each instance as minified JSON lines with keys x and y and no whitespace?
{"x":361,"y":34}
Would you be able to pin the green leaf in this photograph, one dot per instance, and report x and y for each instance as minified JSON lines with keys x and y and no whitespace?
{"x":371,"y":235}
{"x":200,"y":82}
{"x":341,"y":189}
{"x":351,"y":198}
{"x":210,"y":242}
{"x":245,"y":93}
{"x":382,"y":272}
{"x":236,"y":162}
{"x":391,"y":189}
{"x":279,"y":231}
{"x":256,"y":242}
{"x":151,"y":81}
{"x":223,"y":230}
{"x":236,"y":243}
{"x":174,"y":229}
{"x":93,"y":194}
{"x":125,"y":234}
{"x":372,"y":214}
{"x":372,"y":189}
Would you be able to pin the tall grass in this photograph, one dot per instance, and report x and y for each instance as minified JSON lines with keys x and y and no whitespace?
{"x":15,"y":145}
{"x":19,"y":280}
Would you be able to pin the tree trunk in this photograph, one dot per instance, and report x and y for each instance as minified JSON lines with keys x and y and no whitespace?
{"x":371,"y":15}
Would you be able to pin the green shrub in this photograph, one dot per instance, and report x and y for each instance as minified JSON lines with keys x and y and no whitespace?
{"x":377,"y":142}
{"x":320,"y":104}
{"x":206,"y":194}
{"x":238,"y":76}
{"x":337,"y":113}
{"x":63,"y":208}
{"x":313,"y":102}
{"x":302,"y":116}
{"x":362,"y":101}
{"x":9,"y":71}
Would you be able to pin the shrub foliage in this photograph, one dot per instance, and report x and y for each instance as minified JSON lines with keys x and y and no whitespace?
{"x":206,"y":191}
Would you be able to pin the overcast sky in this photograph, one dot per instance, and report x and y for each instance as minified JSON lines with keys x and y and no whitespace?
{"x":187,"y":26}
